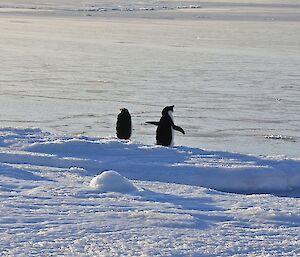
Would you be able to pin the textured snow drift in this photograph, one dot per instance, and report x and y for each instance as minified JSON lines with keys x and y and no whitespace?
{"x":230,"y":172}
{"x":48,"y":206}
{"x":224,"y":171}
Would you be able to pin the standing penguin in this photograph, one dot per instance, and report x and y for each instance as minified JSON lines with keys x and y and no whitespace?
{"x":166,"y":127}
{"x":124,"y":124}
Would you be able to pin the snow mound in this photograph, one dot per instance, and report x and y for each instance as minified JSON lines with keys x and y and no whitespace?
{"x":112,"y":181}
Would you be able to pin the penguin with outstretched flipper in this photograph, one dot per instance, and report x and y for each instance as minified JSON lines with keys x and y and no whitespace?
{"x":165,"y":127}
{"x":124,"y":127}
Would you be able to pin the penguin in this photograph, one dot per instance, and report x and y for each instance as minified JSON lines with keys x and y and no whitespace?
{"x":124,"y":127}
{"x":165,"y":127}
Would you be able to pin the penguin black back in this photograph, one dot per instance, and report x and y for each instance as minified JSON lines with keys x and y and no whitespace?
{"x":164,"y":131}
{"x":124,"y":126}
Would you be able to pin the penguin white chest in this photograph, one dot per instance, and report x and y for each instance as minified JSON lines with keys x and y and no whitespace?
{"x":170,"y":113}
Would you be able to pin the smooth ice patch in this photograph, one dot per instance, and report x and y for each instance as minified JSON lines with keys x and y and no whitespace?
{"x":112,"y":181}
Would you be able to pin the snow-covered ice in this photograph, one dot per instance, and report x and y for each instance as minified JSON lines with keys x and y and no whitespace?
{"x":229,"y":187}
{"x":49,"y":208}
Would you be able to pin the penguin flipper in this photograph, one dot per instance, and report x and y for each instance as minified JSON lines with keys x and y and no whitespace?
{"x":156,"y":123}
{"x":180,"y":129}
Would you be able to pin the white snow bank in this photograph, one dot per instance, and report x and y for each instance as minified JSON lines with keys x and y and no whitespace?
{"x":112,"y":181}
{"x":223,"y":171}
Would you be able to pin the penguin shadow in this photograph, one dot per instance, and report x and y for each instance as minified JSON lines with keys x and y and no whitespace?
{"x":193,"y":166}
{"x":217,"y":170}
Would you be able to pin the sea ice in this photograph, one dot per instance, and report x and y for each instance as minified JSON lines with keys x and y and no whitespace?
{"x":231,"y":68}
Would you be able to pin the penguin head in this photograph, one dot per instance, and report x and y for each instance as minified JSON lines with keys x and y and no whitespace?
{"x":124,"y":110}
{"x":167,"y":110}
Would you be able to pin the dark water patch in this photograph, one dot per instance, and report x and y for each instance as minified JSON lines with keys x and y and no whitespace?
{"x":76,"y":116}
{"x":281,"y":137}
{"x":20,"y":21}
{"x":294,"y":193}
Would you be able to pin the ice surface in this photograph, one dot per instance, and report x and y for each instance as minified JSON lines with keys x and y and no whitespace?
{"x":230,"y":68}
{"x":49,"y":208}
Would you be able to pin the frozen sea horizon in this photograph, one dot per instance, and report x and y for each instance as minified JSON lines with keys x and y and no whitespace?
{"x":231,"y":70}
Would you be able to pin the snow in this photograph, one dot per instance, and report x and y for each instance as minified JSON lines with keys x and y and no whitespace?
{"x":166,"y":202}
{"x":112,"y":181}
{"x":229,"y":187}
{"x":211,"y":169}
